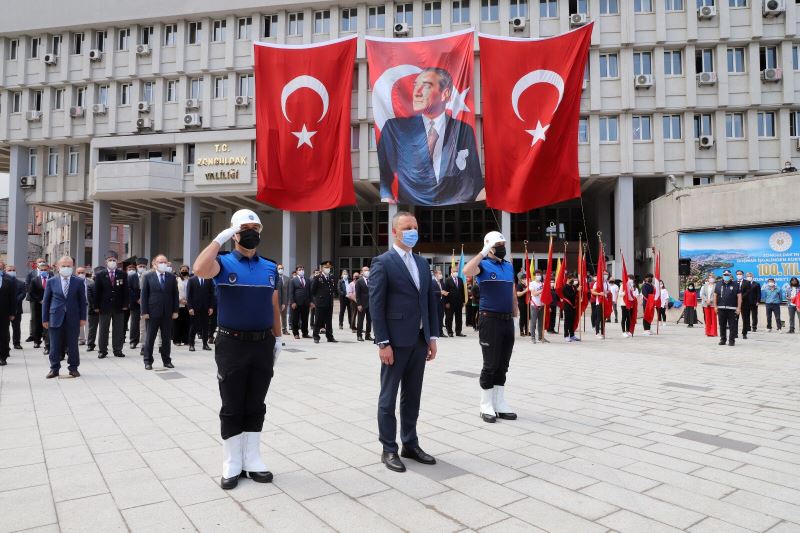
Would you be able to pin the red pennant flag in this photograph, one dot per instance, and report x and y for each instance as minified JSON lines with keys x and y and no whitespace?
{"x":547,"y":294}
{"x":531,"y":104}
{"x":303,"y":96}
{"x":654,"y":300}
{"x":628,"y":296}
{"x":561,"y":278}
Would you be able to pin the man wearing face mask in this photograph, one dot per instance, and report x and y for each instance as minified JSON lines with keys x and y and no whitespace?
{"x":111,"y":301}
{"x":37,"y":281}
{"x":362,"y":303}
{"x":248,"y":343}
{"x":498,"y":307}
{"x":64,"y":312}
{"x":282,"y":286}
{"x":772,"y":301}
{"x":454,"y":302}
{"x":299,"y":301}
{"x":753,"y":299}
{"x":135,"y":287}
{"x":159,"y":305}
{"x":707,"y":303}
{"x":744,"y":289}
{"x":16,"y":324}
{"x":8,"y":310}
{"x":323,"y":292}
{"x":344,"y":302}
{"x":728,"y":303}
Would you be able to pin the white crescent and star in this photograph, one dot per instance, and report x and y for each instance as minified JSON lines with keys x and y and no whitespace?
{"x":307,"y":82}
{"x":524,"y":83}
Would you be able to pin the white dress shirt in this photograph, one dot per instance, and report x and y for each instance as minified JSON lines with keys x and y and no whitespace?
{"x":439,"y":124}
{"x":411,"y":264}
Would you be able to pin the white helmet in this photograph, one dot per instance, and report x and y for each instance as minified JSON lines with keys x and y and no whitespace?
{"x":245,"y":216}
{"x":492,"y":238}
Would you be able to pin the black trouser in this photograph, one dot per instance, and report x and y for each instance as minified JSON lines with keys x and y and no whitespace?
{"x":199,"y":326}
{"x":300,"y":319}
{"x":244,"y":372}
{"x":774,"y":309}
{"x":180,"y":333}
{"x":127,"y":313}
{"x":472,"y":316}
{"x":569,"y":321}
{"x":626,"y":319}
{"x":16,"y":329}
{"x":440,"y":314}
{"x":115,"y":319}
{"x":212,"y":324}
{"x":753,"y":316}
{"x":727,"y":321}
{"x":497,"y":341}
{"x":344,"y":307}
{"x":662,"y":313}
{"x":453,"y":311}
{"x":361,"y":314}
{"x":135,"y":319}
{"x":93,"y":319}
{"x":407,"y":371}
{"x":594,"y":318}
{"x":745,"y":318}
{"x":523,"y":317}
{"x":37,"y":330}
{"x":323,"y":318}
{"x":4,"y":338}
{"x":164,"y":324}
{"x":312,"y":316}
{"x":598,"y":317}
{"x":690,"y":316}
{"x":551,"y":326}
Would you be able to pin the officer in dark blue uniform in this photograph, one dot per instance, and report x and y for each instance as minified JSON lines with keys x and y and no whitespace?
{"x":728,"y":302}
{"x":248,"y":342}
{"x":498,"y":307}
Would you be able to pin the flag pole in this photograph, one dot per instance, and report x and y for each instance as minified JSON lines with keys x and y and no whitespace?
{"x":528,"y":296}
{"x":602,"y":282}
{"x":580,"y":283}
{"x":658,"y":316}
{"x":585,"y":275}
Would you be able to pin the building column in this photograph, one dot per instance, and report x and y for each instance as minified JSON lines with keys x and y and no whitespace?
{"x":623,"y":222}
{"x":101,"y":231}
{"x":77,"y":243}
{"x":505,"y":229}
{"x":18,"y":210}
{"x":191,"y":229}
{"x":151,"y":223}
{"x":289,"y":240}
{"x":392,"y":213}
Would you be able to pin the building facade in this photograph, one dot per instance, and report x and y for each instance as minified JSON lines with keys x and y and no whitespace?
{"x":116,"y":116}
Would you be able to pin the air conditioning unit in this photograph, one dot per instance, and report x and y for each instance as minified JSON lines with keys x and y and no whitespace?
{"x":242,"y":101}
{"x":772,"y":74}
{"x":95,"y":55}
{"x":50,"y":59}
{"x":518,"y":23}
{"x":33,"y":116}
{"x":144,"y":124}
{"x":143,"y":49}
{"x":706,"y":141}
{"x":707,"y":78}
{"x":192,"y":120}
{"x":401,"y":29}
{"x":578,"y":19}
{"x":76,"y":112}
{"x":706,"y":12}
{"x":143,"y":107}
{"x":773,"y":8}
{"x":27,"y":182}
{"x":192,"y":103}
{"x":99,"y":109}
{"x":643,"y":81}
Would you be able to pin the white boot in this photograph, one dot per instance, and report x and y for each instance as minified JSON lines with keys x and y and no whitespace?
{"x":500,"y":406}
{"x":231,"y":461}
{"x":487,"y":405}
{"x":252,"y":463}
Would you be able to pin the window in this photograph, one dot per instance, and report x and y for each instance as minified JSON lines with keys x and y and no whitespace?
{"x":73,"y":160}
{"x":578,"y":6}
{"x":548,"y":9}
{"x":55,"y":44}
{"x":146,"y":35}
{"x":518,"y":8}
{"x":373,"y":142}
{"x":33,"y":53}
{"x":642,"y":63}
{"x":194,"y":34}
{"x":16,"y":101}
{"x":77,"y":43}
{"x":735,"y":60}
{"x":218,"y":31}
{"x":355,"y":137}
{"x":768,"y":57}
{"x":432,"y":13}
{"x":122,"y":39}
{"x":36,"y":100}
{"x":673,"y":65}
{"x":102,"y":95}
{"x":12,"y":49}
{"x":609,"y":7}
{"x":356,"y":228}
{"x":583,"y":130}
{"x":794,"y":124}
{"x":702,"y":3}
{"x":100,"y":40}
{"x":114,"y":235}
{"x":147,"y":91}
{"x":489,"y":11}
{"x":58,"y":99}
{"x":348,"y":20}
{"x":172,"y":90}
{"x":795,"y":58}
{"x":33,"y":158}
{"x":766,"y":124}
{"x":52,"y":161}
{"x":246,"y":85}
{"x":672,"y":128}
{"x":702,"y":180}
{"x":673,"y":5}
{"x":80,"y":96}
{"x":295,"y":24}
{"x":195,"y":87}
{"x":322,"y":21}
{"x":641,"y":128}
{"x":704,"y":60}
{"x":125,"y":94}
{"x":271,"y":26}
{"x":404,"y":13}
{"x":219,"y":87}
{"x":376,"y":17}
{"x":609,"y":67}
{"x":702,"y":125}
{"x":734,"y":125}
{"x":737,"y":3}
{"x":189,"y":158}
{"x":609,"y":129}
{"x":170,"y":34}
{"x":460,"y":12}
{"x":642,"y":6}
{"x":243,"y":26}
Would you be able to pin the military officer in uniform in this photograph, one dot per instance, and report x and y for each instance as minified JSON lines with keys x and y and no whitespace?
{"x":498,"y":307}
{"x":728,"y":303}
{"x":247,"y":345}
{"x":323,"y":294}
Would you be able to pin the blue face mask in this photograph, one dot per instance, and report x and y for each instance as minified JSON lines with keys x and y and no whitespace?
{"x":410,"y":237}
{"x":726,"y":278}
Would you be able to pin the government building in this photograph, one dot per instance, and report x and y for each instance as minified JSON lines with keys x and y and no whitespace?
{"x":120,"y":113}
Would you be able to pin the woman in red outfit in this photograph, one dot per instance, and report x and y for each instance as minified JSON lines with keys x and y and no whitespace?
{"x":690,"y":304}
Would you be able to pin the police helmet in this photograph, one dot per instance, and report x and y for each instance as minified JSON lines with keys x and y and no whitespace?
{"x":245,"y":216}
{"x":493,"y":237}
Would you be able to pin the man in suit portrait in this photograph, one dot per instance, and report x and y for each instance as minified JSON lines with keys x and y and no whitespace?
{"x":160,"y":306}
{"x":111,"y":302}
{"x":454,"y":302}
{"x":433,"y":155}
{"x":63,"y":314}
{"x":200,"y":302}
{"x":37,"y":281}
{"x":362,"y":303}
{"x":8,"y":311}
{"x":403,"y":308}
{"x":299,"y":301}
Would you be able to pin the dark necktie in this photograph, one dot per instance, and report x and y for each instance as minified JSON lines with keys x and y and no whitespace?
{"x":112,"y":278}
{"x":162,"y":281}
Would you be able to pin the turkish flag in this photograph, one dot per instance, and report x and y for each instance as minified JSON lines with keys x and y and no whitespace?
{"x":531,"y":102}
{"x":303,"y":96}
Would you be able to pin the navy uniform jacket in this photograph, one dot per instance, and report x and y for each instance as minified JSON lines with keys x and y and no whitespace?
{"x":158,"y":302}
{"x":403,"y":150}
{"x":134,"y":291}
{"x":323,"y":290}
{"x":8,"y":297}
{"x":111,"y":299}
{"x":57,"y":309}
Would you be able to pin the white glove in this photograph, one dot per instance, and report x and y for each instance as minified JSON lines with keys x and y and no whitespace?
{"x":225,"y":235}
{"x":277,"y":350}
{"x":488,"y":248}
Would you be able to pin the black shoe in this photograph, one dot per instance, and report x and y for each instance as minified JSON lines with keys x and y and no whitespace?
{"x":228,"y":483}
{"x":101,"y":355}
{"x":316,"y":341}
{"x":3,"y":362}
{"x":360,"y":338}
{"x":17,"y":346}
{"x":285,"y":331}
{"x":191,"y":348}
{"x":29,"y":339}
{"x":491,"y":419}
{"x":332,"y":340}
{"x":754,"y":330}
{"x":259,"y":477}
{"x":731,"y":343}
{"x":133,"y":345}
{"x":297,"y":336}
{"x":507,"y":416}
{"x":418,"y":455}
{"x":52,"y":374}
{"x":148,"y":366}
{"x":169,"y":365}
{"x":306,"y":336}
{"x":90,"y":348}
{"x":722,"y":342}
{"x":449,"y":334}
{"x":368,"y":337}
{"x":37,"y":344}
{"x":119,"y":354}
{"x":341,"y":326}
{"x":460,"y":335}
{"x":74,"y":373}
{"x":744,"y":335}
{"x":207,"y":347}
{"x":393,"y":462}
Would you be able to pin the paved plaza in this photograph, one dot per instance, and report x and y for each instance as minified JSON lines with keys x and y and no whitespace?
{"x":638,"y":435}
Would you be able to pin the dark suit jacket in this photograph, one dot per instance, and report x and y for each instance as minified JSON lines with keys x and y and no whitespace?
{"x":396,"y":305}
{"x":282,"y":286}
{"x":298,"y":294}
{"x":134,"y":291}
{"x":22,"y":292}
{"x":35,"y":289}
{"x":403,"y":150}
{"x":201,"y":299}
{"x":59,"y":310}
{"x":362,"y":293}
{"x":744,"y":288}
{"x":455,"y":288}
{"x":8,"y":297}
{"x":755,"y":293}
{"x":158,"y":302}
{"x":91,"y":295}
{"x":323,"y":290}
{"x":108,"y":298}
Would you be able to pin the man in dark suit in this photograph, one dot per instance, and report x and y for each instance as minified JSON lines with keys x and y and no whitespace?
{"x":63,"y":313}
{"x":744,"y":289}
{"x":135,"y":295}
{"x":22,"y":291}
{"x":34,"y":275}
{"x":282,"y":287}
{"x":753,"y":301}
{"x":160,"y":306}
{"x":299,"y":301}
{"x":362,"y":303}
{"x":111,"y":302}
{"x":433,"y":155}
{"x":403,"y":308}
{"x":8,"y":312}
{"x":344,"y":301}
{"x":440,"y":293}
{"x":454,"y":302}
{"x":94,"y":316}
{"x":200,"y":302}
{"x":323,"y":293}
{"x":36,"y":286}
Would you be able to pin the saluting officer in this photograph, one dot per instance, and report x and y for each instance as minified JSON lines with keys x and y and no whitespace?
{"x":498,"y":307}
{"x":323,"y":293}
{"x":248,"y":342}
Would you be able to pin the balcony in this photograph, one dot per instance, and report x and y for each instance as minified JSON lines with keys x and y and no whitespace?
{"x":137,"y":178}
